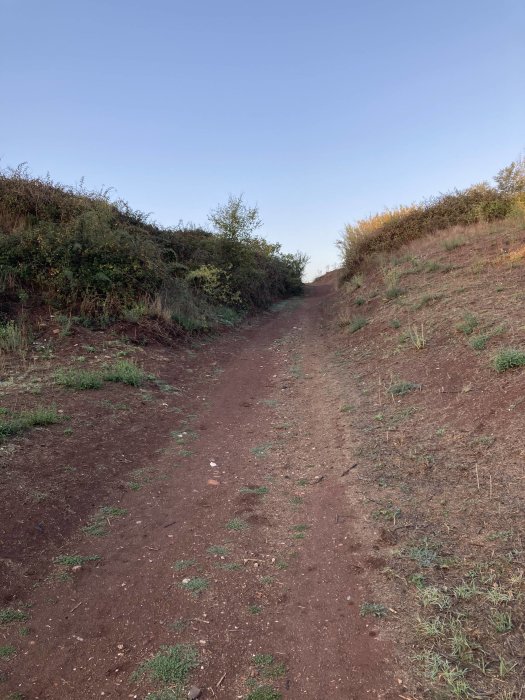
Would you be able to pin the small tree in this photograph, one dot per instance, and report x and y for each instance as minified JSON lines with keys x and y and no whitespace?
{"x":511,"y":180}
{"x":235,"y":220}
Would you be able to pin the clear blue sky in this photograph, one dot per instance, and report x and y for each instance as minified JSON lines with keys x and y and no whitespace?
{"x":319,"y":112}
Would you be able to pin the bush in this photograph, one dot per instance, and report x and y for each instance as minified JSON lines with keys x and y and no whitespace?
{"x":391,"y":229}
{"x":509,"y":358}
{"x":99,"y":260}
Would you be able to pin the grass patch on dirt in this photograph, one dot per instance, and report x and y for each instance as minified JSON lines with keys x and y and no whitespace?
{"x":255,"y":490}
{"x":7,"y":652}
{"x":453,"y":567}
{"x":80,"y":379}
{"x":402,"y":388}
{"x":264,"y":692}
{"x":13,"y":424}
{"x":237,"y":524}
{"x":509,"y":358}
{"x":8,"y":615}
{"x":172,"y":665}
{"x":262,"y":450}
{"x":97,"y":527}
{"x":74,"y":559}
{"x":195,"y":585}
{"x":374,"y":609}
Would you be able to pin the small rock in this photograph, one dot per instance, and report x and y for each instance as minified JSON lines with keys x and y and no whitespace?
{"x":194,"y":692}
{"x":213,"y":482}
{"x":76,"y":568}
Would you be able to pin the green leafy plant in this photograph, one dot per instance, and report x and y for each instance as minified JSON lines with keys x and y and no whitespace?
{"x":509,"y":358}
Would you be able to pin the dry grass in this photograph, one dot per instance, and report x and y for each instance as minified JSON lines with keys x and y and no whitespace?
{"x":448,"y":455}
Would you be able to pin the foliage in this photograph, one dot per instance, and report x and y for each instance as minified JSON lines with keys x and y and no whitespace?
{"x":172,"y":664}
{"x":12,"y":424}
{"x":98,"y":260}
{"x":511,"y":179}
{"x":235,"y":219}
{"x":509,"y":358}
{"x":392,"y":228}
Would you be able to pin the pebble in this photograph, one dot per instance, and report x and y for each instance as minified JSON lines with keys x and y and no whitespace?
{"x":194,"y":692}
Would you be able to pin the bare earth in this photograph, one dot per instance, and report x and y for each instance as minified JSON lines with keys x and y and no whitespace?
{"x":252,"y":439}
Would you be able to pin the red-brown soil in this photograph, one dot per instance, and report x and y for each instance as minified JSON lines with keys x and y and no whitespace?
{"x":441,"y":450}
{"x":258,"y":407}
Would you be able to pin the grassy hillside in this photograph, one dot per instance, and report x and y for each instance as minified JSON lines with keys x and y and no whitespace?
{"x":391,"y":229}
{"x":93,"y":261}
{"x":431,"y":349}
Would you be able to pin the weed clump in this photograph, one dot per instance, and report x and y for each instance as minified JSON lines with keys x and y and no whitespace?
{"x":14,"y":424}
{"x":402,"y":388}
{"x":95,"y":260}
{"x":355,"y":324}
{"x":509,"y":358}
{"x":171,"y":665}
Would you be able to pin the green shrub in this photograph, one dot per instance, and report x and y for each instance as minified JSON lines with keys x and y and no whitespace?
{"x":356,"y":324}
{"x":79,"y":379}
{"x":14,"y":424}
{"x":13,"y":337}
{"x":171,"y":665}
{"x":125,"y":372}
{"x":402,"y":388}
{"x":98,"y":260}
{"x":468,"y":325}
{"x":509,"y":358}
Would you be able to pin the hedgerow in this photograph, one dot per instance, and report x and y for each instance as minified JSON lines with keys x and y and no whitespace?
{"x":78,"y":251}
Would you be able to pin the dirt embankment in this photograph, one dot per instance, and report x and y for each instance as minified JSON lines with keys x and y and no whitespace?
{"x":428,"y":354}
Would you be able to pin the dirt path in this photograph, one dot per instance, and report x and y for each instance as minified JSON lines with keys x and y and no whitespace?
{"x":253,"y":503}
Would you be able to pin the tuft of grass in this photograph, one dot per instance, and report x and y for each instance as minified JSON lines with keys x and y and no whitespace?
{"x":195,"y":585}
{"x":501,"y":621}
{"x":268,"y":667}
{"x":125,"y":372}
{"x":479,"y":342}
{"x":171,"y":665}
{"x":356,"y":324}
{"x":13,"y":337}
{"x":402,"y":388}
{"x":218,"y":549}
{"x":236,"y":524}
{"x":8,"y":615}
{"x":431,"y":596}
{"x":97,"y":525}
{"x":261,"y":450}
{"x":375,"y":609}
{"x":468,"y":325}
{"x":427,"y":299}
{"x":11,"y":425}
{"x":425,"y":554}
{"x":183,"y":564}
{"x":394,"y":292}
{"x":254,"y":609}
{"x":7,"y":652}
{"x":453,"y":243}
{"x":74,"y":559}
{"x":508,"y":358}
{"x":79,"y":379}
{"x":256,"y":490}
{"x":264,"y":692}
